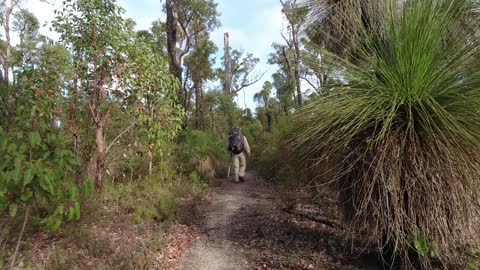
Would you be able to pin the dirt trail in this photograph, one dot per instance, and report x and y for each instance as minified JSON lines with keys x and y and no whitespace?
{"x":245,"y":226}
{"x":217,"y":249}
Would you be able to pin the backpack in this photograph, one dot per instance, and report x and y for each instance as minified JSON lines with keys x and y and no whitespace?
{"x":235,"y":141}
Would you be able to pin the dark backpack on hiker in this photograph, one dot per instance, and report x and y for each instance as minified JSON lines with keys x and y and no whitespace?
{"x":235,"y":141}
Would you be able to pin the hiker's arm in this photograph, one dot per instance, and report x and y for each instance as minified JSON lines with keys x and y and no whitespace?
{"x":246,"y":146}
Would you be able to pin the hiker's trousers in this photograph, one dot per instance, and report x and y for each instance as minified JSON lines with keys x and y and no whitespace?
{"x":239,"y":164}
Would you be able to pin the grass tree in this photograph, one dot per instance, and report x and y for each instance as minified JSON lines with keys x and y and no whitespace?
{"x":403,"y":124}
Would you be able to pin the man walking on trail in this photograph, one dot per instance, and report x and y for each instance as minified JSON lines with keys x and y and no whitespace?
{"x":238,"y":146}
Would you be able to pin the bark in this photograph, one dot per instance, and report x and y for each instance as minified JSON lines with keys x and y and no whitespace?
{"x":100,"y":162}
{"x":74,"y":129}
{"x":6,"y":26}
{"x":227,"y":84}
{"x":291,"y":85}
{"x":269,"y":121}
{"x":172,"y":39}
{"x":150,"y":158}
{"x":297,"y":63}
{"x":289,"y":11}
{"x":197,"y":86}
{"x":99,"y":118}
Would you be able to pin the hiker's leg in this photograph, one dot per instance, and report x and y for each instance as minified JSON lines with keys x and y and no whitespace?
{"x":236,"y":166}
{"x":243,"y":164}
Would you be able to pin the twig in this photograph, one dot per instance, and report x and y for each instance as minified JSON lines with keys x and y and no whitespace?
{"x":120,"y":135}
{"x":328,"y":222}
{"x":14,"y":256}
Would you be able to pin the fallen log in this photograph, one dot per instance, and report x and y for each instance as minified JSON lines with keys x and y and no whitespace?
{"x":326,"y":221}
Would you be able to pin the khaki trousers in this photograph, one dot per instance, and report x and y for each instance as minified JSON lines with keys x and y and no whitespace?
{"x":239,"y":165}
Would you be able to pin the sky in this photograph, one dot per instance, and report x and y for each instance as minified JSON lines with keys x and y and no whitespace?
{"x":253,"y":25}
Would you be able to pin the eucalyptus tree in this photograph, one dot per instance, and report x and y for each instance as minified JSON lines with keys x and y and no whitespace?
{"x":263,"y":98}
{"x":97,"y":35}
{"x":7,"y":8}
{"x":152,"y":98}
{"x":284,"y":78}
{"x":243,"y":73}
{"x":188,"y":21}
{"x":295,"y":15}
{"x":200,"y":63}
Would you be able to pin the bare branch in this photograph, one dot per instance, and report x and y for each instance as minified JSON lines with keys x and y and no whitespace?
{"x":317,"y":87}
{"x":248,"y":81}
{"x":48,"y":2}
{"x":119,"y":135}
{"x":289,"y":44}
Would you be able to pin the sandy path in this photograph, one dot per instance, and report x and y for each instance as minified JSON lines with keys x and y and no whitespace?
{"x":216,"y":249}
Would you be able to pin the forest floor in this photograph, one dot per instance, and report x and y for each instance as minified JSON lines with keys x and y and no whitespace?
{"x":250,"y":225}
{"x":253,"y":226}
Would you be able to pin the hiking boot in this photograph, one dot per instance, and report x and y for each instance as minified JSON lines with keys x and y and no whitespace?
{"x":241,"y":178}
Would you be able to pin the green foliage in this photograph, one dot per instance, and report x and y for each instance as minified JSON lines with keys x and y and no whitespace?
{"x":153,"y":94}
{"x":422,"y":246}
{"x":199,"y":183}
{"x":152,"y":199}
{"x":271,"y":157}
{"x":35,"y":167}
{"x":401,"y":124}
{"x":198,"y":149}
{"x":283,"y":78}
{"x":160,"y":205}
{"x":473,"y":260}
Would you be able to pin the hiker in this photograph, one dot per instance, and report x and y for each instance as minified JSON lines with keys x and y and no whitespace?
{"x":238,"y":146}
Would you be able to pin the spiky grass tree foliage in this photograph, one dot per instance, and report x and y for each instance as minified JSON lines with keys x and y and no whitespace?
{"x":403,"y":123}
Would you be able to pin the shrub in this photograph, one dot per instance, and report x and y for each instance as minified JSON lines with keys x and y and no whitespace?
{"x":401,"y":125}
{"x":203,"y":152}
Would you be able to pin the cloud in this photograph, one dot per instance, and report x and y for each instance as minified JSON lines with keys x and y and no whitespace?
{"x":253,"y":26}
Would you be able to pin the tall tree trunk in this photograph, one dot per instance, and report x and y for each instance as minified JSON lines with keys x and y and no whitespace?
{"x":297,"y":64}
{"x":73,"y":126}
{"x":212,"y":114}
{"x":100,"y":118}
{"x":6,"y":26}
{"x":100,"y":164}
{"x":269,"y":121}
{"x":150,"y":158}
{"x":197,"y":85}
{"x":289,"y":9}
{"x":172,"y":38}
{"x":227,"y":84}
